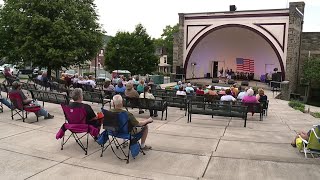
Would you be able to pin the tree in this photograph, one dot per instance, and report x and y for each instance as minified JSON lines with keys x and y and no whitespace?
{"x":49,"y":33}
{"x":136,"y":52}
{"x":166,"y":40}
{"x":311,"y":70}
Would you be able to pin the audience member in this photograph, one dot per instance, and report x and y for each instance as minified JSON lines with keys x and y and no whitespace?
{"x":189,"y":89}
{"x":176,"y":87}
{"x":200,"y":91}
{"x":91,"y":118}
{"x":5,"y":102}
{"x":146,"y":94}
{"x":181,"y":92}
{"x":138,"y":126}
{"x":140,"y":87}
{"x":108,"y":86}
{"x":120,"y":88}
{"x":228,"y":96}
{"x":16,"y":88}
{"x":212,"y":91}
{"x":91,"y":81}
{"x":250,"y":98}
{"x":261,"y":96}
{"x":132,"y":93}
{"x":242,"y":94}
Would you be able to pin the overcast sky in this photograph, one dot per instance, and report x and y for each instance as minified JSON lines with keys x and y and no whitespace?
{"x":123,"y":15}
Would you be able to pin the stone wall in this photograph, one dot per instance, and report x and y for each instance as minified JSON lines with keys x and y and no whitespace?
{"x":293,"y":51}
{"x":310,"y":46}
{"x":178,"y":45}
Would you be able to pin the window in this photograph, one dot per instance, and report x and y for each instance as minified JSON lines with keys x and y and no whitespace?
{"x":165,"y":59}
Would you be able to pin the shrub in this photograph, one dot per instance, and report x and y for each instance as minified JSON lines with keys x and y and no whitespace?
{"x":297,"y":105}
{"x":316,"y":114}
{"x":88,"y":73}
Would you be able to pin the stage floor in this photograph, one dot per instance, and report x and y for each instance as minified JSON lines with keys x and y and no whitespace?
{"x":209,"y":82}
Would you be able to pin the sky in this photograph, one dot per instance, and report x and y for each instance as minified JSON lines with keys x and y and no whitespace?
{"x":154,"y":15}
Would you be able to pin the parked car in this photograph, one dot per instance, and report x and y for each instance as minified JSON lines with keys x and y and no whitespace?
{"x":13,"y":69}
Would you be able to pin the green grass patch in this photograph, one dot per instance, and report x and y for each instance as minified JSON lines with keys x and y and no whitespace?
{"x":316,"y":114}
{"x":297,"y":105}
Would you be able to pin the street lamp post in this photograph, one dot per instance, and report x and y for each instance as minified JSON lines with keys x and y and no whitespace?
{"x":95,"y":67}
{"x":118,"y":59}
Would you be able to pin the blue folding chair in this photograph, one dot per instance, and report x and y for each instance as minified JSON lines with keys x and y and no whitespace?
{"x":116,"y":125}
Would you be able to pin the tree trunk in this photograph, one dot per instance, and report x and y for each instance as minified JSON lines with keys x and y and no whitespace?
{"x":49,"y":72}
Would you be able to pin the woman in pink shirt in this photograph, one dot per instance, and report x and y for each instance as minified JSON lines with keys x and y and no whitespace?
{"x":250,"y":98}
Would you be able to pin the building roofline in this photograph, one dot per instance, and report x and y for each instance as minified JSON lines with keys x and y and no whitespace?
{"x":231,"y":12}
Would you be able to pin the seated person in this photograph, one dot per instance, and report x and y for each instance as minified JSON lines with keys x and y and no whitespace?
{"x":235,"y":90}
{"x":108,"y":86}
{"x":148,"y":95}
{"x":120,"y":88}
{"x":242,"y":94}
{"x":261,"y":96}
{"x":16,"y":88}
{"x":77,"y":96}
{"x":200,"y":91}
{"x":91,"y":81}
{"x":181,"y":92}
{"x":140,"y":87}
{"x":75,"y":79}
{"x":176,"y":87}
{"x":189,"y":89}
{"x":228,"y":96}
{"x":82,"y":80}
{"x":118,"y":107}
{"x":132,"y":93}
{"x":250,"y":97}
{"x":5,"y":102}
{"x":212,"y":91}
{"x":303,"y":135}
{"x":222,"y":91}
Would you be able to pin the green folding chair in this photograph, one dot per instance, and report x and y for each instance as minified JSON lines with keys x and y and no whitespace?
{"x":312,"y":146}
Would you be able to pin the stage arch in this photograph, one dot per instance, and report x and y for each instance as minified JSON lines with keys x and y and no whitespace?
{"x":227,"y":42}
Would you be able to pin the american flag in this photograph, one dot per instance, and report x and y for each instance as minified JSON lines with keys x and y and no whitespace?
{"x":245,"y":65}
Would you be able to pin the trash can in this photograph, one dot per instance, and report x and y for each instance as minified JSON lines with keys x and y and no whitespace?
{"x":157,"y":79}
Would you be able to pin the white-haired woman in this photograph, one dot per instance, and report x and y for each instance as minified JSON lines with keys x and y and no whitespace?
{"x":250,"y":98}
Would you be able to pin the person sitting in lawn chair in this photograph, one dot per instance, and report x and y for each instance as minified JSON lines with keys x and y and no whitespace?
{"x":77,"y":96}
{"x":139,"y":126}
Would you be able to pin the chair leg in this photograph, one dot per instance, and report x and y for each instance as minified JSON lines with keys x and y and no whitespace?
{"x":11,"y":114}
{"x":87,"y":144}
{"x":166,"y":113}
{"x":62,"y":142}
{"x":23,"y":116}
{"x":162,"y":114}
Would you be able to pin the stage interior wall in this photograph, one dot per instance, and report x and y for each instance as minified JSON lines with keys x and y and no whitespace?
{"x":227,"y":44}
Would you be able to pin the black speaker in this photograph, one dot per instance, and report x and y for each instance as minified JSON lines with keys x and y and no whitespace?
{"x":276,"y":77}
{"x":244,"y":83}
{"x":233,"y":8}
{"x":208,"y":75}
{"x":231,"y":81}
{"x":215,"y":80}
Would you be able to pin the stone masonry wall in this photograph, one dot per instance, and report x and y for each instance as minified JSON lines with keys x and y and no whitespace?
{"x":178,"y":45}
{"x":310,"y":43}
{"x":293,"y":51}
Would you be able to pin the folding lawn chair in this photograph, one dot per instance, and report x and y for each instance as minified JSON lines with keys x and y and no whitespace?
{"x":116,"y":125}
{"x":19,"y":109}
{"x":76,"y":124}
{"x":312,"y":146}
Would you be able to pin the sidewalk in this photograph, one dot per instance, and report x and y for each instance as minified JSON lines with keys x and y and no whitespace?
{"x":207,"y":148}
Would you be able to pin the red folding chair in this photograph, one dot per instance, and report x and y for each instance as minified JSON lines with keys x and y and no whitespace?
{"x":19,"y":108}
{"x":76,"y":124}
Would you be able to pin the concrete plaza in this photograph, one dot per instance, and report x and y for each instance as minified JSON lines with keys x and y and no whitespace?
{"x":207,"y":148}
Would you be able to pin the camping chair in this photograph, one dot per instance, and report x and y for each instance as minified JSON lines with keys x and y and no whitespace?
{"x":117,"y":126}
{"x":19,"y":108}
{"x":76,"y":123}
{"x":312,"y":146}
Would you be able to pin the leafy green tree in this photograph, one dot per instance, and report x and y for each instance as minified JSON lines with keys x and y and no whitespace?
{"x":135,"y":52}
{"x":49,"y":33}
{"x":166,"y":40}
{"x":311,"y":70}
